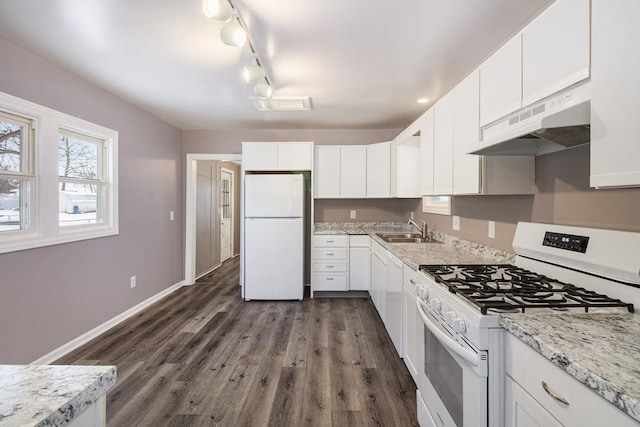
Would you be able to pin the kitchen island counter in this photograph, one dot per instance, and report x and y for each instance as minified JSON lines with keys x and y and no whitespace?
{"x":52,"y":395}
{"x":601,"y":350}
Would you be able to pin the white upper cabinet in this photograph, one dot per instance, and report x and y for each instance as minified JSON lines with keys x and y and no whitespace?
{"x":443,"y":146}
{"x":466,"y":135}
{"x":353,"y":171}
{"x":405,"y":167}
{"x":326,"y":173}
{"x":277,"y":156}
{"x":615,"y":67}
{"x":555,"y":49}
{"x":379,"y":170}
{"x":426,"y":153}
{"x":501,"y":82}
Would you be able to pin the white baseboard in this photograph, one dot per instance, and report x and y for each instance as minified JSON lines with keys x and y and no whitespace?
{"x":88,"y":336}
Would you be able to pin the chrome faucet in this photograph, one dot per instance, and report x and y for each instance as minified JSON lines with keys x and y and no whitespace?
{"x":424,"y":230}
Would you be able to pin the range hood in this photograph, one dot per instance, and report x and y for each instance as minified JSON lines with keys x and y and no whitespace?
{"x":556,"y":123}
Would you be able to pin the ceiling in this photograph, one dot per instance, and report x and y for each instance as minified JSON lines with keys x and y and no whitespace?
{"x":364,"y":63}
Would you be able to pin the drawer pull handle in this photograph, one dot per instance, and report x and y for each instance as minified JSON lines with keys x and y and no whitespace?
{"x":330,"y":254}
{"x":329,"y":266}
{"x":554,"y":395}
{"x":413,"y":282}
{"x":329,"y":278}
{"x":330,"y":241}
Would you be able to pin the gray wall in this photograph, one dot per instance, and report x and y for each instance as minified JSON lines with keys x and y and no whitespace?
{"x":51,"y":295}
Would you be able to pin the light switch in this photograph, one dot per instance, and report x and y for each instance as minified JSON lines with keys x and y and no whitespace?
{"x":171,"y":216}
{"x":492,"y":229}
{"x":456,"y":222}
{"x":353,"y":215}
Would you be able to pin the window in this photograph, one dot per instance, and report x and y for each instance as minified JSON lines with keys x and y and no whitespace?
{"x":70,"y":193}
{"x":81,"y":179}
{"x":16,"y":173}
{"x":437,"y":204}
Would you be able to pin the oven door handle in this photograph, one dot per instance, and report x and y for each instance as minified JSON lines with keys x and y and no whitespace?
{"x":446,"y":340}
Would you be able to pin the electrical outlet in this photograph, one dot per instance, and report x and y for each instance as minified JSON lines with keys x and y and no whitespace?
{"x":492,"y":229}
{"x":172,"y":216}
{"x":456,"y":223}
{"x":353,"y":215}
{"x":133,"y":282}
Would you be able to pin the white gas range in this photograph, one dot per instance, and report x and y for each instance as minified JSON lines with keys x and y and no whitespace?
{"x":557,"y":268}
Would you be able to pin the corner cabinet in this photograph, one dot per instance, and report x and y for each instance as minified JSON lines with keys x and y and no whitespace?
{"x":379,"y":170}
{"x":615,"y":135}
{"x":277,"y":156}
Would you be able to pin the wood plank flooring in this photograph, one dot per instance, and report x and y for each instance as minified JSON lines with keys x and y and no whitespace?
{"x":204,"y":357}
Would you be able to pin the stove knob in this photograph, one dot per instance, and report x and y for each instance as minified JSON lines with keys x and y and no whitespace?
{"x":451,"y":317}
{"x":423,"y":292}
{"x":460,"y":326}
{"x":436,"y":304}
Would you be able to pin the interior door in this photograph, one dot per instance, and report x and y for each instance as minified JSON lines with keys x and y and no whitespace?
{"x":226,"y":214}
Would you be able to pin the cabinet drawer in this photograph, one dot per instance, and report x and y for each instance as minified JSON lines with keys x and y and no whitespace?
{"x":330,"y":253}
{"x":339,"y":266}
{"x":329,"y":241}
{"x":330,"y":282}
{"x":359,"y":241}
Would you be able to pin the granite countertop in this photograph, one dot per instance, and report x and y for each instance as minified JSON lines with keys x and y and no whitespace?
{"x":601,"y":350}
{"x":450,"y":250}
{"x":50,"y":395}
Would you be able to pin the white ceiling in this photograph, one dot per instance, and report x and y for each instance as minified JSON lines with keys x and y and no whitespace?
{"x":363,"y":62}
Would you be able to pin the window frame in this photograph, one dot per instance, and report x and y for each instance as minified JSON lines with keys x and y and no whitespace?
{"x":44,"y":227}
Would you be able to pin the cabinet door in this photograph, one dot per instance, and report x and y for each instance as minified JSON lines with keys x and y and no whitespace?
{"x":522,"y":410}
{"x":407,"y":178}
{"x":426,"y":154}
{"x":615,"y":67}
{"x":260,"y":156}
{"x":378,"y":278}
{"x":443,"y":146}
{"x":327,"y":171}
{"x":353,"y":171}
{"x":466,"y":135}
{"x":501,"y":82}
{"x":359,"y":268}
{"x":393,"y":303}
{"x":410,"y":321}
{"x":295,"y":155}
{"x":379,"y":170}
{"x":555,"y":49}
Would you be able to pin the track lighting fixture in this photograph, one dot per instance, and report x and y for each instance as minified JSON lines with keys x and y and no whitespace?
{"x":220,"y":10}
{"x":233,"y":34}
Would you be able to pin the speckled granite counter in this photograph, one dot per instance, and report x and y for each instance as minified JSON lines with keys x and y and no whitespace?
{"x":453,"y":251}
{"x":50,"y":395}
{"x":601,"y":350}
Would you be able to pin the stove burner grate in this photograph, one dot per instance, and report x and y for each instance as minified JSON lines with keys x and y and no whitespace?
{"x":505,"y":287}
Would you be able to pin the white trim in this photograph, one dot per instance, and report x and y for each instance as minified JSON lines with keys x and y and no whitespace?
{"x":190,"y":211}
{"x":93,"y":333}
{"x":232,"y":208}
{"x":209,"y":271}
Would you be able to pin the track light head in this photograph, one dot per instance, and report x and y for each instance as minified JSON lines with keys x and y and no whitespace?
{"x":253,"y":73}
{"x":220,"y":10}
{"x":233,"y":34}
{"x":263,"y":89}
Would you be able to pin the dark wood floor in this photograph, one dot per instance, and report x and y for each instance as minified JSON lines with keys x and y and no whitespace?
{"x":204,"y":357}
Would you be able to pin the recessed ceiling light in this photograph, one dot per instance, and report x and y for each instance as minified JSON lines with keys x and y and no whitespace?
{"x":423,"y":100}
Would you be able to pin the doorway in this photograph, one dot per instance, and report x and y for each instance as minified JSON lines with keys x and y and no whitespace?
{"x":226,"y":214}
{"x":191,"y":171}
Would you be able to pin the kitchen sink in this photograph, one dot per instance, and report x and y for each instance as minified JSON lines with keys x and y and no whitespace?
{"x":404,"y":238}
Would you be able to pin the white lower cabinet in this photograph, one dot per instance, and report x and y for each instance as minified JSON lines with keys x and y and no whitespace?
{"x":393,"y":304}
{"x":378,"y":277}
{"x":359,"y":262}
{"x":330,"y":263}
{"x":410,"y":279}
{"x":538,"y":393}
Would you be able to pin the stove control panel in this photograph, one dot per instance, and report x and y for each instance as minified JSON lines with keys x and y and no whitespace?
{"x":567,"y":242}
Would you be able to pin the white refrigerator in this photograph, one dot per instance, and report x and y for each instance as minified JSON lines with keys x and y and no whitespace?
{"x":274,"y":236}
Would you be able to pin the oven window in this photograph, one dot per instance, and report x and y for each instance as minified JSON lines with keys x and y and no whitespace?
{"x":445,"y":375}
